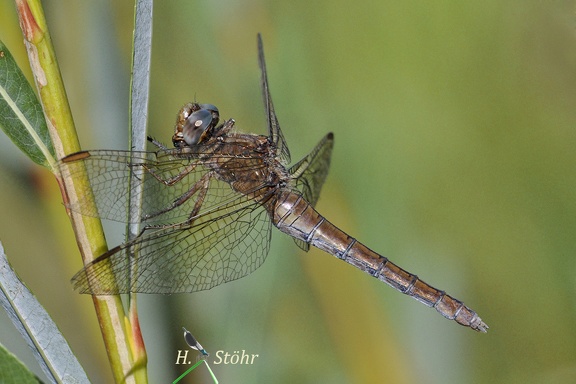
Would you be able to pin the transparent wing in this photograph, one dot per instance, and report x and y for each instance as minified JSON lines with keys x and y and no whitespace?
{"x":274,"y":131}
{"x":167,"y":179}
{"x":310,"y":173}
{"x":221,"y":245}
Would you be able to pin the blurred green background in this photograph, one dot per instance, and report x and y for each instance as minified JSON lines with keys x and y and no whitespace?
{"x":455,"y":138}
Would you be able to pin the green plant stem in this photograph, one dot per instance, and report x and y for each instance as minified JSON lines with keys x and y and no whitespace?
{"x":88,"y":231}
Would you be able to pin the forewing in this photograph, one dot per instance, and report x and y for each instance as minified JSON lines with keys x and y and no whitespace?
{"x":274,"y":131}
{"x":108,"y":173}
{"x":310,"y":173}
{"x":221,"y":245}
{"x":165,"y":177}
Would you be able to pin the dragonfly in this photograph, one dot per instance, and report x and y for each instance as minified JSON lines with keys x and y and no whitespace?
{"x":208,"y":206}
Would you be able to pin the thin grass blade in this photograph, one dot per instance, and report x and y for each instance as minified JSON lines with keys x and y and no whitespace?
{"x":37,"y":328}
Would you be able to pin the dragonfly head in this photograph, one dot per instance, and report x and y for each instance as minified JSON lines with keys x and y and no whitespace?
{"x":194,"y":124}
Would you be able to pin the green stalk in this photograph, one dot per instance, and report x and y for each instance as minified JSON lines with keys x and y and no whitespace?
{"x":88,"y":230}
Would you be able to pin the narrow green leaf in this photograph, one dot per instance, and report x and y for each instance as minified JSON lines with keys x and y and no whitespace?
{"x":21,"y":115}
{"x":139,"y":96}
{"x":140,"y":81}
{"x":37,"y":328}
{"x":13,"y":370}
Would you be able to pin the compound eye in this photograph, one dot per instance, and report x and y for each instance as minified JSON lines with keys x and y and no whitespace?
{"x":213,"y":110}
{"x":196,"y":126}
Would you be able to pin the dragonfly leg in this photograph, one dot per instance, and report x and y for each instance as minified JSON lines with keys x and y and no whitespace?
{"x":201,"y":185}
{"x":205,"y":180}
{"x":157,"y":143}
{"x":171,"y":180}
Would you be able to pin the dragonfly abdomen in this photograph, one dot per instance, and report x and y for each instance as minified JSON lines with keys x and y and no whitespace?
{"x":295,"y":216}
